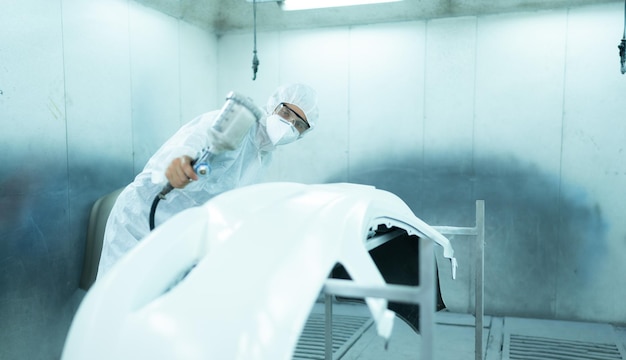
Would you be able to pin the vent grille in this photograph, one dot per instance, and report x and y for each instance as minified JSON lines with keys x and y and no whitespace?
{"x":346,"y":331}
{"x":524,"y":347}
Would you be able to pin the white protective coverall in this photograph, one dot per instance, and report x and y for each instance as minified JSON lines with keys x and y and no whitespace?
{"x":129,"y":219}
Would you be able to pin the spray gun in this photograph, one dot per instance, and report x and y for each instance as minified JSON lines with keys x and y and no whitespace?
{"x":232,"y":123}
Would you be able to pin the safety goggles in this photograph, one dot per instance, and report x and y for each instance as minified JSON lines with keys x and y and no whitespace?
{"x":290,"y":115}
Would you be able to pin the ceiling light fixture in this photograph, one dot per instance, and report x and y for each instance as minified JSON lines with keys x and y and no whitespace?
{"x":289,"y":5}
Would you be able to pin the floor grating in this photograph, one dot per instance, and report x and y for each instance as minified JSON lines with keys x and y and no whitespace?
{"x":346,"y":331}
{"x":523,"y":347}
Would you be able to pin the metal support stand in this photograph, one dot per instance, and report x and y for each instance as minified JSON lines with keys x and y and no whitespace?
{"x":479,"y":292}
{"x":328,"y":311}
{"x":424,"y":294}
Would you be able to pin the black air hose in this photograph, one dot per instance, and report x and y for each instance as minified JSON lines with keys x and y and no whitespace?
{"x":166,"y":189}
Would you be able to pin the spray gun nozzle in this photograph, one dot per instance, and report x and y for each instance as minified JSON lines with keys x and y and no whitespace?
{"x":202,"y":169}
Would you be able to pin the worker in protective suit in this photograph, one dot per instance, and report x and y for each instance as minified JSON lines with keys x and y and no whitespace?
{"x":291,"y":112}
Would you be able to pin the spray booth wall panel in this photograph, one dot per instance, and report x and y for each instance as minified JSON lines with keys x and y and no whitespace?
{"x":517,"y":122}
{"x":594,"y":159}
{"x":34,"y":210}
{"x":84,"y":100}
{"x":522,"y":110}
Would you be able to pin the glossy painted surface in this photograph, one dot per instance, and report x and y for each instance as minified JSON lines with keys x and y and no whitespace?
{"x":257,"y":259}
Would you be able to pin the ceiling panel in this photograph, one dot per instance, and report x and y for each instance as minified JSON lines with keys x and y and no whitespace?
{"x":223,"y":16}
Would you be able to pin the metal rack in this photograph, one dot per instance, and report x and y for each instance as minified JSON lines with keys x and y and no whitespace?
{"x":478,"y":230}
{"x":423,"y":294}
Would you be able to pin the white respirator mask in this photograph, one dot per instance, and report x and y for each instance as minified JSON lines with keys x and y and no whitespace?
{"x":280,"y":131}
